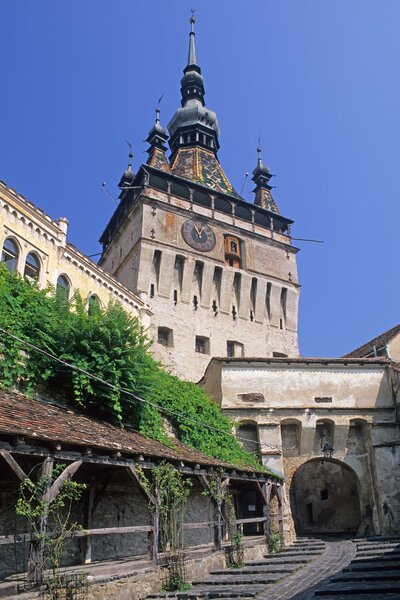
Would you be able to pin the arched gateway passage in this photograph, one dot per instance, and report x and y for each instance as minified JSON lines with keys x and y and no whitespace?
{"x":324,"y":498}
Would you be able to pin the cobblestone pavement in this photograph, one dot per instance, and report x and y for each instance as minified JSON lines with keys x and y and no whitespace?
{"x":302,"y":584}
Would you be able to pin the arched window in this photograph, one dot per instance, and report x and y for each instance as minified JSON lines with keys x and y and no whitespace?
{"x":32,"y":266}
{"x":93,"y":304}
{"x":63,"y":287}
{"x":10,"y":254}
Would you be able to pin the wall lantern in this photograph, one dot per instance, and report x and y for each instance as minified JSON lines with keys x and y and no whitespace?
{"x":328,"y":450}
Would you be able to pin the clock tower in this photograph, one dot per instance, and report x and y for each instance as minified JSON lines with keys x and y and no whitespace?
{"x":218,"y":272}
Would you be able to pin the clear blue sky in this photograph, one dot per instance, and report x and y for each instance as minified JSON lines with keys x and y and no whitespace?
{"x":318,"y":80}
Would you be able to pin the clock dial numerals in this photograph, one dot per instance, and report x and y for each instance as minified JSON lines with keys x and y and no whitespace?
{"x":198,"y":235}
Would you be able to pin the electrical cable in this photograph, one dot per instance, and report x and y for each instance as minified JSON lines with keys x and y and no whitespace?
{"x":126,"y":391}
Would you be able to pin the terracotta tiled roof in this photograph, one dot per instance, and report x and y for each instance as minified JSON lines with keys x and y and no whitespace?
{"x":46,"y":422}
{"x":379,"y":342}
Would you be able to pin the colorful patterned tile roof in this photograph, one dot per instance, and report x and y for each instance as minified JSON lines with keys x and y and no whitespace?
{"x":202,"y":166}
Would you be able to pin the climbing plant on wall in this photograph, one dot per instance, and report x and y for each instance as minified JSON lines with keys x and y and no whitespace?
{"x":113,"y":346}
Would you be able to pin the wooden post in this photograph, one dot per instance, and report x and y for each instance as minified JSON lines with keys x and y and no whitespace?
{"x":87,"y":541}
{"x":266,"y":493}
{"x":153,"y":545}
{"x":35,"y":561}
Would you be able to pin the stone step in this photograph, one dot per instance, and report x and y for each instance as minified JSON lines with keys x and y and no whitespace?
{"x":378,"y":588}
{"x":387,"y":547}
{"x":301,"y":549}
{"x":234,"y":579}
{"x":278,"y":559}
{"x":377,"y":552}
{"x":191,"y":595}
{"x":378,"y":565}
{"x":300,"y":555}
{"x":392,"y":575}
{"x":258,"y":570}
{"x":375,"y":538}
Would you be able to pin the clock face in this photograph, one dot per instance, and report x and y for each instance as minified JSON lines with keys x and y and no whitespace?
{"x":198,"y":235}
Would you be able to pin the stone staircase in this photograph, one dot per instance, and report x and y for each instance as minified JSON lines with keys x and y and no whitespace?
{"x":253,"y":578}
{"x":374,"y":573}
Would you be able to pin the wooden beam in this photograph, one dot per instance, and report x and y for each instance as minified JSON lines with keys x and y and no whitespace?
{"x":10,"y":460}
{"x":136,"y":478}
{"x":87,"y":546}
{"x":66,"y":475}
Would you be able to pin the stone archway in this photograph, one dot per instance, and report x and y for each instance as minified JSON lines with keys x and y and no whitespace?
{"x":324,"y":498}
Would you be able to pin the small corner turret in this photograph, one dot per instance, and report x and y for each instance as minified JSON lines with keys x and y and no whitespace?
{"x":261,"y":177}
{"x":156,"y":139}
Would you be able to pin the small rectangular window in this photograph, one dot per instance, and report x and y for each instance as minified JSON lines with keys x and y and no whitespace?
{"x":323,"y":399}
{"x":175,"y":296}
{"x":230,"y":349}
{"x":324,"y":494}
{"x":152,"y":290}
{"x":164,"y":336}
{"x":202,"y":345}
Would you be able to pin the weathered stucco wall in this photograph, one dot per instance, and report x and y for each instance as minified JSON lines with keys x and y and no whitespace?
{"x":299,"y":407}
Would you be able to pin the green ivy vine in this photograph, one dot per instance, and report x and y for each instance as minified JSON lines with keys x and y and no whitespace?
{"x":112,"y":345}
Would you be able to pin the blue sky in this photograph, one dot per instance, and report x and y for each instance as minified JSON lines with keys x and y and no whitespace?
{"x":317,"y":79}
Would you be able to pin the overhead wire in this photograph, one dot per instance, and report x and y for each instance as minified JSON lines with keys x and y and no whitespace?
{"x":128,"y":392}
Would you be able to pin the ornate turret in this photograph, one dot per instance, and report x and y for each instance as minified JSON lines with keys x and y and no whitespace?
{"x":157,"y":148}
{"x":128,"y":175}
{"x":261,"y":177}
{"x":194,"y":130}
{"x":193,"y":124}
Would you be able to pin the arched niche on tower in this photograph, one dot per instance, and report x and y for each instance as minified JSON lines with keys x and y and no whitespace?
{"x":201,"y":198}
{"x":262,"y":219}
{"x":180,"y":190}
{"x":242,"y":212}
{"x":247,"y":434}
{"x":324,"y":434}
{"x":223,"y":205}
{"x":291,"y":436}
{"x":158,"y":182}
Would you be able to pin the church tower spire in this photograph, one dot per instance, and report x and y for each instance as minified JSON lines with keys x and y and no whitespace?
{"x":194,"y":130}
{"x":193,"y":124}
{"x":261,"y":177}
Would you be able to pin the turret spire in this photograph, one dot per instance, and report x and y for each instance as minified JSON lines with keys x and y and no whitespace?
{"x":261,"y":177}
{"x":156,"y":140}
{"x":192,"y":47}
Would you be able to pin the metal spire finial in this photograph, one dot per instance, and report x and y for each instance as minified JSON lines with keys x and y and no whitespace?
{"x":259,"y":152}
{"x":130,"y":155}
{"x":192,"y":48}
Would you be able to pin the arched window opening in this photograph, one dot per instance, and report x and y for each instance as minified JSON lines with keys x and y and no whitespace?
{"x":324,"y":435}
{"x":201,"y":198}
{"x":63,"y":287}
{"x":284,"y":293}
{"x":223,"y":206}
{"x":179,"y":190}
{"x":247,"y":434}
{"x":357,"y":436}
{"x":290,"y":433}
{"x":93,"y":304}
{"x":243,"y":213}
{"x":10,"y":254}
{"x":268,"y":301}
{"x":32,"y":267}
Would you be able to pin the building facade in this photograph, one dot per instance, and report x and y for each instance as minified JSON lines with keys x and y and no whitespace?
{"x":36,"y":246}
{"x":331,"y":426}
{"x":219,"y":273}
